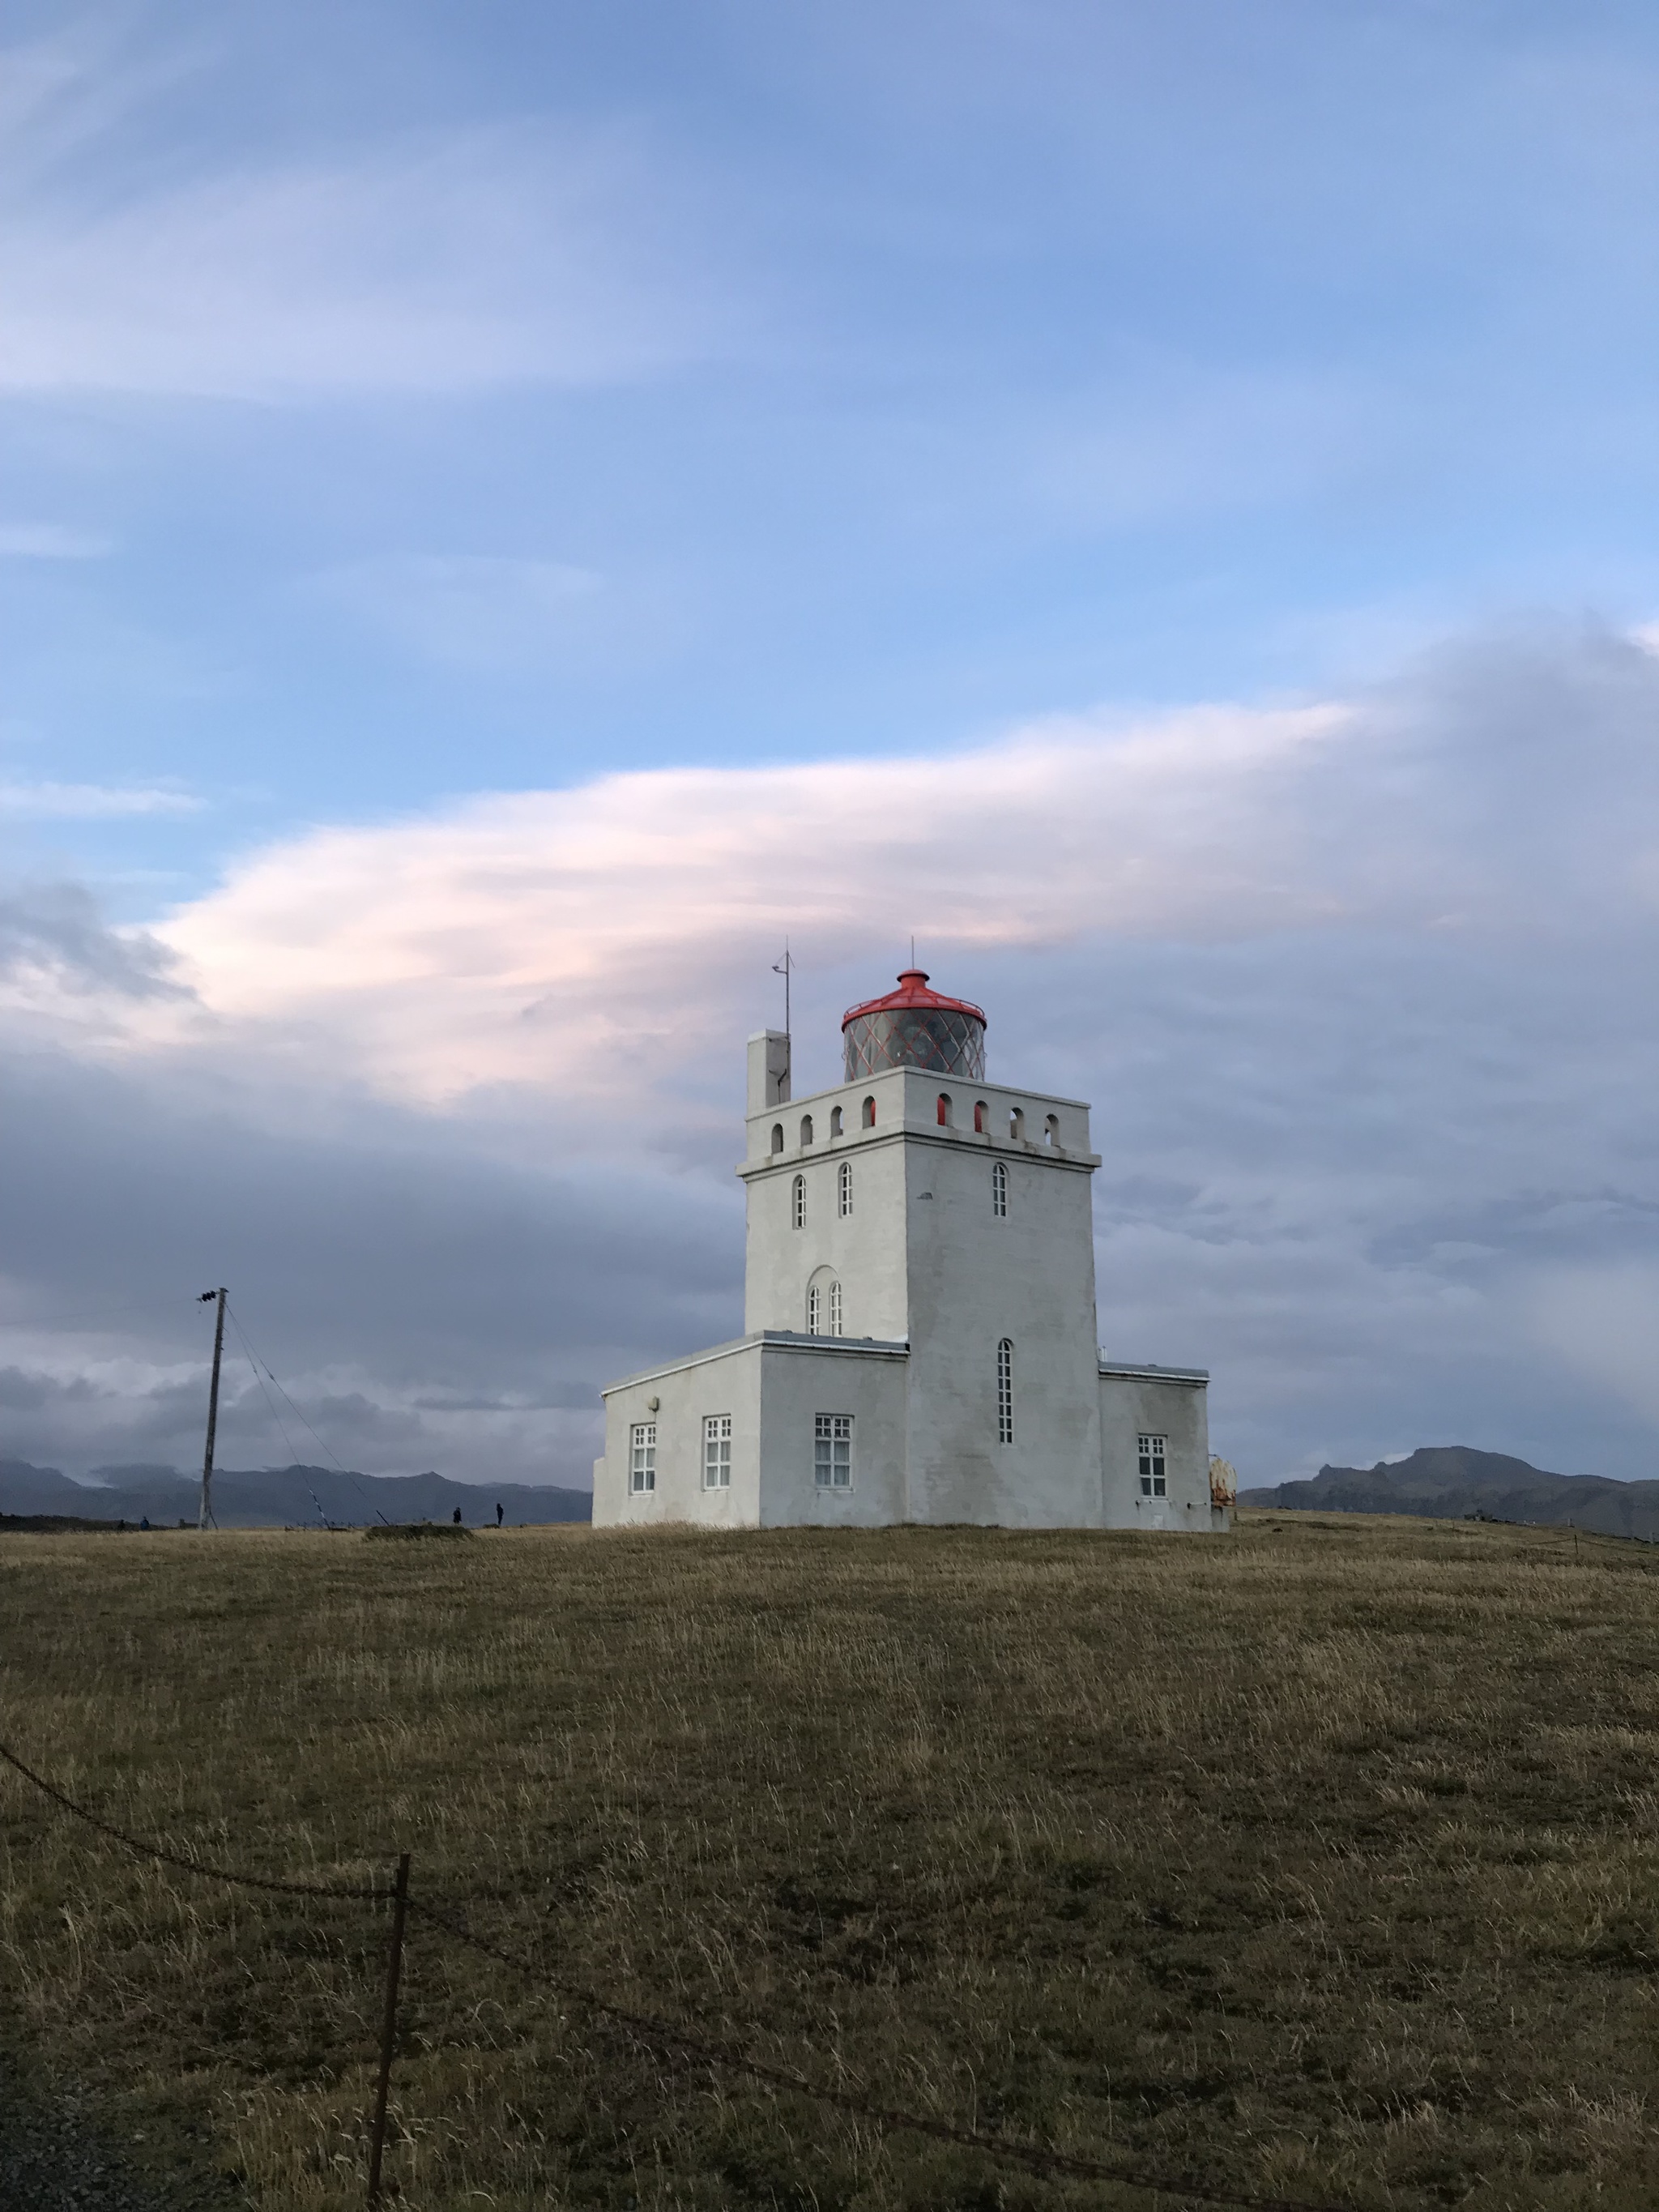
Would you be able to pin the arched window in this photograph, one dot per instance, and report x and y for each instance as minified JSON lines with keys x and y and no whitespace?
{"x":834,"y":1306}
{"x":1005,"y":1391}
{"x":999,"y":1190}
{"x":1016,"y":1125}
{"x":1051,"y":1130}
{"x":869,"y":1113}
{"x":944,"y":1109}
{"x":834,"y":1121}
{"x":806,"y":1129}
{"x":824,"y":1308}
{"x":814,"y":1311}
{"x":798,"y":1203}
{"x":981,"y":1110}
{"x":777,"y":1136}
{"x":844,"y":1190}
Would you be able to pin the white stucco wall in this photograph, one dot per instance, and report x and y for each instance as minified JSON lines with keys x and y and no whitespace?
{"x":976,"y":1278}
{"x":800,"y":1384}
{"x":726,"y":1380}
{"x":773,"y":1393}
{"x":1139,"y":1400}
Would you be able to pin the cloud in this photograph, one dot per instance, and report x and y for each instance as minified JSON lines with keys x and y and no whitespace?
{"x":452,"y":263}
{"x":566,"y":939}
{"x":91,"y":802}
{"x":49,"y":541}
{"x":1604,"y":1320}
{"x":588,"y":942}
{"x":425,"y":1294}
{"x":55,"y":931}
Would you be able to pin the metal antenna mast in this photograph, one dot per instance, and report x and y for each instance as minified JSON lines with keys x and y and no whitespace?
{"x":785,"y":969}
{"x":204,"y":1517}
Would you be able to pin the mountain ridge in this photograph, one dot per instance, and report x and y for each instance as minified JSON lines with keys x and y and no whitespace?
{"x":1445,"y":1482}
{"x":281,"y":1497}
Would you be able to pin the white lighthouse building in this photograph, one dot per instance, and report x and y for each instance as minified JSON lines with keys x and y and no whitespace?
{"x":919,"y":1317}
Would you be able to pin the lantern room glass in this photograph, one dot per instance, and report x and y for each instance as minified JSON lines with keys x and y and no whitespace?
{"x":939,"y":1039}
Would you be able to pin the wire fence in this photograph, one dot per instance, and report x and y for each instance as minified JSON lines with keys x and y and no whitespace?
{"x":669,"y":2038}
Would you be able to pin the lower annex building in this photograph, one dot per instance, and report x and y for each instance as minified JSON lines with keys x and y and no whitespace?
{"x":918,"y":1315}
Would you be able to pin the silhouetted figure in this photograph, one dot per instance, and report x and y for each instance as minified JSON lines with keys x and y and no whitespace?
{"x":498,"y":1512}
{"x":145,"y":1523}
{"x":456,"y":1517}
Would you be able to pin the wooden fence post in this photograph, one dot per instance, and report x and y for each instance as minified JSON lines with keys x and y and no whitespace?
{"x":389,"y":2026}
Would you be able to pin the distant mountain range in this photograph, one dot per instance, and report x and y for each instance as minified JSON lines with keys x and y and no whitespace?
{"x":1443,"y":1482}
{"x":281,"y":1497}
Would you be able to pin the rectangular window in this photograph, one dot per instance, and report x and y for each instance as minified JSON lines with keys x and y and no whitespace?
{"x":1005,"y":1392}
{"x":1152,"y":1482}
{"x":642,"y":1456}
{"x":832,"y":1451}
{"x":717,"y":1451}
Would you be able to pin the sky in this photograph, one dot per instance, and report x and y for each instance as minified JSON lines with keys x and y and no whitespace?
{"x":508,"y":514}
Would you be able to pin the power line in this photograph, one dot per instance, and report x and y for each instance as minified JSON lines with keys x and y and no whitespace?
{"x":253,"y":1367}
{"x":339,"y":1463}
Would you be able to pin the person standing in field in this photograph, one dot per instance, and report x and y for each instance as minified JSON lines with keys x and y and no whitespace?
{"x":456,"y":1517}
{"x":498,"y":1512}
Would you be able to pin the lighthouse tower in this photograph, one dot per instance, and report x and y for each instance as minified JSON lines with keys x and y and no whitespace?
{"x":919,"y":1326}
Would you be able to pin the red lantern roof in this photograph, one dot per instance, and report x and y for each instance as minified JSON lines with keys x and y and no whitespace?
{"x":912,"y":992}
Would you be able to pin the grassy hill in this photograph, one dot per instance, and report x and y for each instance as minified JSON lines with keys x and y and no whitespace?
{"x":1320,"y":1862}
{"x":1446,"y":1481}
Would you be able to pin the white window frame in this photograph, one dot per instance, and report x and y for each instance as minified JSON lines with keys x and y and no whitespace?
{"x":797,"y":1202}
{"x":1005,"y":1391}
{"x":999,"y":1190}
{"x":832,"y":1451}
{"x":717,"y":1451}
{"x":835,"y":1306}
{"x":814,"y":1309}
{"x":844,"y":1190}
{"x":642,"y":1458}
{"x":1152,"y":1455}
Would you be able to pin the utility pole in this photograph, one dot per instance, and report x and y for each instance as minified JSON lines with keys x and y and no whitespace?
{"x":205,"y":1518}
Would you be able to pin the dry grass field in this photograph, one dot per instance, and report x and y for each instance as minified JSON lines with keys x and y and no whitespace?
{"x":1321,"y":1863}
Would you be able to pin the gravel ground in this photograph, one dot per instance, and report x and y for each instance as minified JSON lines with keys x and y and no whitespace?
{"x":56,"y":2157}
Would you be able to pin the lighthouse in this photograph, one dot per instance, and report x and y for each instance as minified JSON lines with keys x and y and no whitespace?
{"x":920,"y":1340}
